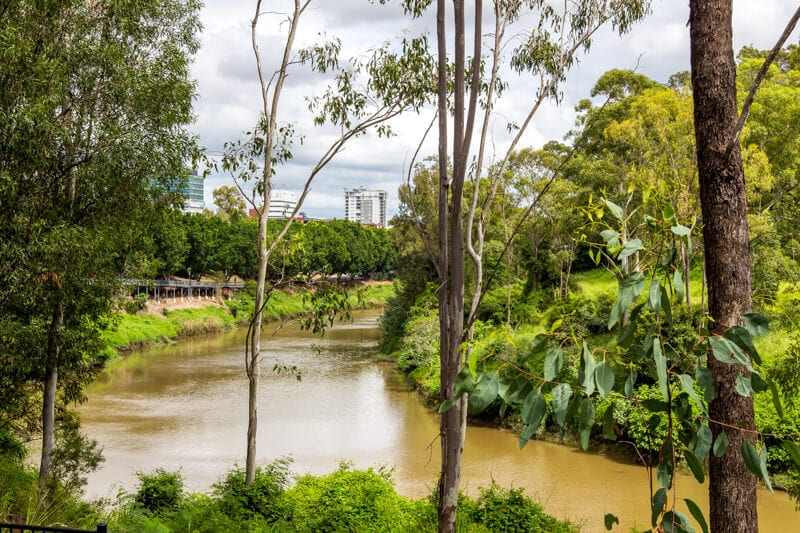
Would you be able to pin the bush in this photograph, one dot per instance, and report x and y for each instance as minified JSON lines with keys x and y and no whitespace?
{"x":159,"y":491}
{"x":347,"y":500}
{"x":581,"y":316}
{"x":501,"y":509}
{"x":524,"y":306}
{"x":75,"y":455}
{"x":135,"y":304}
{"x":420,"y":346}
{"x":261,"y":499}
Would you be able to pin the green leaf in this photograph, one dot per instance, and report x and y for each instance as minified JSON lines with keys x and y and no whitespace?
{"x":533,"y":411}
{"x":755,"y":323}
{"x":750,"y":456}
{"x":666,"y":466}
{"x":758,"y":383}
{"x":695,"y":465}
{"x":585,"y":422}
{"x":703,"y":442}
{"x":555,"y":325}
{"x":472,"y":363}
{"x":517,"y":390}
{"x":697,"y":513}
{"x":677,"y":285}
{"x":539,"y":343}
{"x":721,"y":444}
{"x":661,"y":368}
{"x":631,"y":287}
{"x":793,"y":450}
{"x":776,"y":399}
{"x":561,"y":395}
{"x":586,"y":370}
{"x":610,"y":237}
{"x":654,"y":301}
{"x":762,"y":462}
{"x":552,"y":363}
{"x":681,"y":231}
{"x":729,"y":352}
{"x":668,"y":212}
{"x":610,"y":520}
{"x":706,"y":381}
{"x":676,"y":522}
{"x":630,"y":382}
{"x":464,"y":382}
{"x":666,"y":306}
{"x":615,"y":209}
{"x":743,"y":386}
{"x":447,"y":404}
{"x":608,"y":423}
{"x":630,"y":248}
{"x":604,"y":377}
{"x":625,"y":336}
{"x":741,"y":337}
{"x":659,"y":500}
{"x":484,"y":394}
{"x":688,"y":385}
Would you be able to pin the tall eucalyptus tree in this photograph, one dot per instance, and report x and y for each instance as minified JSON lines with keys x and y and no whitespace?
{"x":94,"y":100}
{"x":547,"y":51}
{"x":394,"y":81}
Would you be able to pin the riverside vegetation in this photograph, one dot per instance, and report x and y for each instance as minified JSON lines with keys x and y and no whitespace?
{"x":78,"y":160}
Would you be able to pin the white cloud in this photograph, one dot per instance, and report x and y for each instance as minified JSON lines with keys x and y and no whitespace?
{"x":228,"y":101}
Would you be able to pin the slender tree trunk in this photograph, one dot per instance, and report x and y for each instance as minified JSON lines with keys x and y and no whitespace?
{"x":686,"y":272}
{"x":732,"y":488}
{"x":50,"y":389}
{"x":451,"y":269}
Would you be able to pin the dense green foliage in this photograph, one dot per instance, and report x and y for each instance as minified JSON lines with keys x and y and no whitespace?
{"x":93,"y":137}
{"x":348,"y":499}
{"x":224,"y":245}
{"x":624,"y":202}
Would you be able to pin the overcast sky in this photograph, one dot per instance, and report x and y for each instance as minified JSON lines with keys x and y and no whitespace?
{"x":228,"y":93}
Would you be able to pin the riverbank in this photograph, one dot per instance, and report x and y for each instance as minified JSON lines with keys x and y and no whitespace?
{"x":170,"y":320}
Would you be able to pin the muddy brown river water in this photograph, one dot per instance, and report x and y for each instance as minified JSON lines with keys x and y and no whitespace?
{"x":184,"y":406}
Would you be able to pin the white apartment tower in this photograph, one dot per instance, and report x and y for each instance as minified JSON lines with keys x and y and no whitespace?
{"x":366,"y":207}
{"x":281,"y":204}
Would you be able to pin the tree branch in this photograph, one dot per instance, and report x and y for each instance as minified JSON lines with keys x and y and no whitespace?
{"x":757,"y":82}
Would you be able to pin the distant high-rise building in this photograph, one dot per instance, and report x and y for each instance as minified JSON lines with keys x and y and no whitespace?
{"x":366,"y":207}
{"x":193,"y":194}
{"x":281,"y":203}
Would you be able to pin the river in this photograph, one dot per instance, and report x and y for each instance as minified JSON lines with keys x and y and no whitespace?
{"x":184,"y":406}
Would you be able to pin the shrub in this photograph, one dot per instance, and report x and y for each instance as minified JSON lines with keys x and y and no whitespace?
{"x":581,"y":316}
{"x":420,"y":346}
{"x":199,"y":513}
{"x":347,"y":500}
{"x":647,"y":430}
{"x":260,"y":499}
{"x":75,"y":455}
{"x":159,"y":491}
{"x":501,"y":509}
{"x":135,"y":304}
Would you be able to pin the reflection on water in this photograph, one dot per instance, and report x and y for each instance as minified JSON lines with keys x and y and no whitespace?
{"x":185,"y":407}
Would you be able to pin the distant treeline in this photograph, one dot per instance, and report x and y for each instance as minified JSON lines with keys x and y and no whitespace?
{"x":196,"y":244}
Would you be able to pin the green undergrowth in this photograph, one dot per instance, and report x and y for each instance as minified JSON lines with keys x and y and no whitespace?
{"x":346,"y":500}
{"x":584,"y":316}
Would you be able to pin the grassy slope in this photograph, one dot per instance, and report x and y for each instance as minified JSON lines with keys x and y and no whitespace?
{"x":133,"y":331}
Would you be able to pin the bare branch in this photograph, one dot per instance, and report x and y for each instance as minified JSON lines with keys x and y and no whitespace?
{"x":757,"y":82}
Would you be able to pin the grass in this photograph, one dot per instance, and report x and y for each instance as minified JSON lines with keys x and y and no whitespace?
{"x":135,"y":331}
{"x":599,"y":282}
